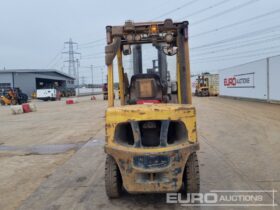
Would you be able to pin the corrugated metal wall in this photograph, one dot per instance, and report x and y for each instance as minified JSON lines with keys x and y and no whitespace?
{"x":26,"y":82}
{"x":6,"y":78}
{"x":6,"y":82}
{"x":255,"y":80}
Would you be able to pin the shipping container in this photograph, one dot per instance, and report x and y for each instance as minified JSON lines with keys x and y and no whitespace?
{"x":254,"y":80}
{"x":212,"y":80}
{"x":193,"y":81}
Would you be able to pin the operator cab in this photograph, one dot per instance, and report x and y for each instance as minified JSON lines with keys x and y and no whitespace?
{"x":146,"y":89}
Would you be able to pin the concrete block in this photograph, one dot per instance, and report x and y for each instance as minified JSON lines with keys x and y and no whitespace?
{"x":33,"y":107}
{"x":17,"y":109}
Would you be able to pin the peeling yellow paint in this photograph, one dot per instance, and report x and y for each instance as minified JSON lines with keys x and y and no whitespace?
{"x":170,"y":175}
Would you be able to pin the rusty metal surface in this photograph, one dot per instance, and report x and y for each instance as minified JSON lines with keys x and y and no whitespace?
{"x":151,"y":169}
{"x":184,"y":113}
{"x":165,"y":26}
{"x":167,"y":174}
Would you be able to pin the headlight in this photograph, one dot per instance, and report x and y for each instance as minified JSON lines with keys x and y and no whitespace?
{"x":130,"y":37}
{"x":154,"y":30}
{"x":137,"y":37}
{"x":169,"y":37}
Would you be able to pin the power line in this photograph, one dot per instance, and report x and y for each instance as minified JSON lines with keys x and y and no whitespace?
{"x":92,"y":42}
{"x":152,"y":9}
{"x":235,"y":43}
{"x":246,"y":35}
{"x":205,"y":9}
{"x":91,"y":46}
{"x":56,"y":63}
{"x":259,"y":40}
{"x":94,"y":54}
{"x":219,"y":59}
{"x":237,"y":23}
{"x":176,"y":9}
{"x":244,"y":52}
{"x":54,"y":58}
{"x":93,"y":66}
{"x":241,"y":46}
{"x":226,"y":11}
{"x":92,"y":57}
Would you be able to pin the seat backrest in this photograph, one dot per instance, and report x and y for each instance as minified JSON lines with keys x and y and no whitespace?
{"x":145,"y":87}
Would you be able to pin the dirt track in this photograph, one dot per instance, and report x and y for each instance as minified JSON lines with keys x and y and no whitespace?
{"x":239,"y":151}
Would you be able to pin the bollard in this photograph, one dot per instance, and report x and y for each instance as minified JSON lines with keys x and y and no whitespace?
{"x":33,"y":107}
{"x":26,"y":108}
{"x":17,"y":109}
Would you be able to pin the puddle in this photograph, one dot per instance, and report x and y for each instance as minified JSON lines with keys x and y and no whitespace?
{"x":49,"y":149}
{"x":94,"y":142}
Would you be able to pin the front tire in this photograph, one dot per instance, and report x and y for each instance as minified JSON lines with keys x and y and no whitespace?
{"x":191,"y":179}
{"x":113,"y":179}
{"x":205,"y":93}
{"x":2,"y":102}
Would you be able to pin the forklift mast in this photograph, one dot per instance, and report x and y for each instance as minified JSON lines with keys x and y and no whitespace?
{"x":162,"y":63}
{"x":137,"y":59}
{"x":162,"y":66}
{"x":174,"y":37}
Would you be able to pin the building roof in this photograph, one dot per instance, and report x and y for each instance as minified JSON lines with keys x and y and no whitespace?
{"x":36,"y":71}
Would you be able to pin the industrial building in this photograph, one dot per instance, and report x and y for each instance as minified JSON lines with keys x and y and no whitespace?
{"x":29,"y":80}
{"x":255,"y":80}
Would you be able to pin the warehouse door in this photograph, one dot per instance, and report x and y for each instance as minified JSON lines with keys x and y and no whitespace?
{"x":42,"y":83}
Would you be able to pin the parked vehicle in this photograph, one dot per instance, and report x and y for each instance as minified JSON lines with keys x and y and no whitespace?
{"x":48,"y":94}
{"x":150,"y":143}
{"x":105,"y":91}
{"x":67,"y":92}
{"x":207,"y":85}
{"x":13,"y":97}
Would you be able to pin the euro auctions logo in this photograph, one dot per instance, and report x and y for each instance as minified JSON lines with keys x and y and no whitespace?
{"x":240,"y":81}
{"x":225,"y":198}
{"x":231,"y":81}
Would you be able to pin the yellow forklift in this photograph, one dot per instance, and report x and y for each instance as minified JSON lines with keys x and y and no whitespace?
{"x":202,"y":86}
{"x":13,"y":97}
{"x":151,"y":142}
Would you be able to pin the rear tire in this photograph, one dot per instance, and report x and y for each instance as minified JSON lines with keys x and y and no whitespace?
{"x":2,"y":102}
{"x":14,"y":102}
{"x":191,"y":179}
{"x":113,"y":179}
{"x":205,"y":93}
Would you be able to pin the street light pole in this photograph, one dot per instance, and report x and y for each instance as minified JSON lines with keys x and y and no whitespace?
{"x":78,"y":77}
{"x":102,"y":75}
{"x":91,"y":68}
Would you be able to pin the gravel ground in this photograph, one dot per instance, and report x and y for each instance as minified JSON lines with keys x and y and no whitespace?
{"x":239,"y":151}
